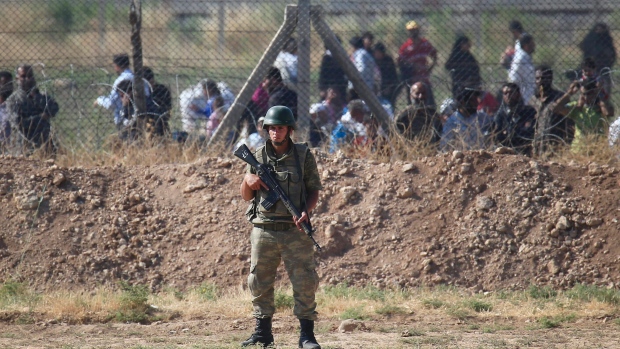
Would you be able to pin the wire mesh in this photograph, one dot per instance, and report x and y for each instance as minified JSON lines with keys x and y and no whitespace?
{"x":468,"y":44}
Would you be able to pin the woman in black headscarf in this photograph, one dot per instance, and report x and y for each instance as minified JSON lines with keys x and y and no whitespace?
{"x":599,"y":45}
{"x":463,"y":66}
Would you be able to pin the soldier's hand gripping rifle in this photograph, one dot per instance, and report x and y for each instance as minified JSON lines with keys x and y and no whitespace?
{"x":266,"y":173}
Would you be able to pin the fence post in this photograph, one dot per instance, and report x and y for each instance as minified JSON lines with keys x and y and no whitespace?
{"x":303,"y":69}
{"x":102,"y":33}
{"x":221,"y":25}
{"x":345,"y":63}
{"x":135,"y":19}
{"x":258,"y":74}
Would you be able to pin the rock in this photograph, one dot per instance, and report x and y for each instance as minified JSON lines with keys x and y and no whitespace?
{"x":331,"y":232}
{"x":593,"y":221}
{"x":26,"y":203}
{"x":345,"y":171}
{"x":484,"y":203}
{"x":220,"y":179}
{"x":466,"y":168}
{"x":348,"y":192}
{"x":350,"y":325}
{"x":505,"y":151}
{"x":95,"y":202}
{"x":201,"y":184}
{"x":74,"y":196}
{"x":405,"y":193}
{"x":595,"y":169}
{"x":409,"y":168}
{"x":4,"y":189}
{"x":375,"y":211}
{"x":554,"y":233}
{"x":140,"y":208}
{"x":563,"y":223}
{"x":457,"y":154}
{"x":553,"y":267}
{"x":59,"y":179}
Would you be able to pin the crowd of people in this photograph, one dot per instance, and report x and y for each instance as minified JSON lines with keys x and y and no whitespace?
{"x":528,"y":114}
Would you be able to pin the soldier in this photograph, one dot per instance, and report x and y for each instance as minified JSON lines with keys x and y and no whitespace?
{"x":277,"y":235}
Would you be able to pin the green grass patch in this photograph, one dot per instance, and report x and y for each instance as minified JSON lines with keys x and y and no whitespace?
{"x":208,"y":291}
{"x":412,"y":332}
{"x":12,"y":292}
{"x":361,"y":293}
{"x":355,"y":313}
{"x":555,"y":321}
{"x":459,"y":313}
{"x":284,"y":300}
{"x":537,"y":292}
{"x":390,"y":309}
{"x":133,"y":303}
{"x":478,"y":306}
{"x":433,"y":303}
{"x":589,"y":293}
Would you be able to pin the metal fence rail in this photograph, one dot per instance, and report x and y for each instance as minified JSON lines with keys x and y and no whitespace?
{"x":71,"y":43}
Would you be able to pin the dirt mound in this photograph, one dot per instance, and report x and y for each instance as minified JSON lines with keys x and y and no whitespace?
{"x":475,"y":219}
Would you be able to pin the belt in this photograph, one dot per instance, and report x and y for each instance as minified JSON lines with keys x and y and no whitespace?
{"x":275,"y":226}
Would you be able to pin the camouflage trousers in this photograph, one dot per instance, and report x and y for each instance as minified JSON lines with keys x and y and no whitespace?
{"x":292,"y":246}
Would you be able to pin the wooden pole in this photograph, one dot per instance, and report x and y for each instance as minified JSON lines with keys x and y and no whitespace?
{"x":135,"y":19}
{"x":345,"y":63}
{"x":303,"y":70}
{"x":258,"y":74}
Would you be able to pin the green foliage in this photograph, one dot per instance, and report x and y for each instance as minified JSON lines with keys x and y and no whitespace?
{"x":355,"y":313}
{"x":590,"y":292}
{"x":538,"y":292}
{"x":283,"y":300}
{"x":411,"y":332}
{"x":389,"y":309}
{"x":188,"y":29}
{"x":547,"y":322}
{"x":478,"y":305}
{"x":133,"y":303}
{"x":208,"y":291}
{"x":69,"y":15}
{"x":458,"y":313}
{"x":432,"y":303}
{"x":556,"y":321}
{"x":12,"y":292}
{"x":361,"y":293}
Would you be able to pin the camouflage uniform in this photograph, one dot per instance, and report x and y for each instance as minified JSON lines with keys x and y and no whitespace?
{"x":275,"y":236}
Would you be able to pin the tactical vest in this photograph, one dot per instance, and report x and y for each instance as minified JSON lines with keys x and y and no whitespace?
{"x":290,"y":173}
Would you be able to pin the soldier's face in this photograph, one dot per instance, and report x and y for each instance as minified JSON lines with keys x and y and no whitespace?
{"x":278,"y":134}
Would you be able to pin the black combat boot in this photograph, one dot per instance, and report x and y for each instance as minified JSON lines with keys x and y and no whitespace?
{"x":262,"y":334}
{"x":306,"y":335}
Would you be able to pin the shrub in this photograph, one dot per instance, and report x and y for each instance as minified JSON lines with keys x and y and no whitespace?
{"x":538,"y":292}
{"x":208,"y":291}
{"x":133,"y":303}
{"x":284,"y":301}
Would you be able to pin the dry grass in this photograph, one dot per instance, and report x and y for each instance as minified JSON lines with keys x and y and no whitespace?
{"x":335,"y":302}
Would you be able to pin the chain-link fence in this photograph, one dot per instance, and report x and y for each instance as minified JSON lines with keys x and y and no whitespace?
{"x":450,"y":45}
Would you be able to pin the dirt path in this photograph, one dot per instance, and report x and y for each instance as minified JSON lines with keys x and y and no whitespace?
{"x":227,"y":333}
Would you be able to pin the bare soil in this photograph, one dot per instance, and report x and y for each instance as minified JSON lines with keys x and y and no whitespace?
{"x":226,"y":333}
{"x":477,"y":220}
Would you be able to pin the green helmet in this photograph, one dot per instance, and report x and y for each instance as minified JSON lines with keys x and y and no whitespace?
{"x":279,"y":116}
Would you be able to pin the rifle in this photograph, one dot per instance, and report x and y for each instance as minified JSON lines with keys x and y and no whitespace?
{"x":266,"y":173}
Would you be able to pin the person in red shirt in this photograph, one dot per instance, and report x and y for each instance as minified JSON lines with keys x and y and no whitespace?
{"x":413,"y":60}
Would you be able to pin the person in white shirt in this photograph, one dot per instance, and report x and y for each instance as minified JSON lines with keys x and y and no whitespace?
{"x":286,"y":62}
{"x":522,"y":71}
{"x":113,"y":100}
